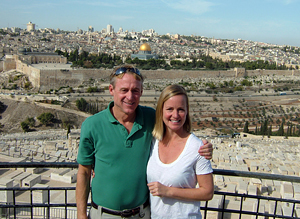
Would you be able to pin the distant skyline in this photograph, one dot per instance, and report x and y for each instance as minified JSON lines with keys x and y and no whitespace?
{"x":269,"y":21}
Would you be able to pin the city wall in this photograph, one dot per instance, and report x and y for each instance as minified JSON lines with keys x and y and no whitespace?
{"x":54,"y":79}
{"x":251,"y":73}
{"x":8,"y":65}
{"x":33,"y":74}
{"x":46,"y":79}
{"x":173,"y":74}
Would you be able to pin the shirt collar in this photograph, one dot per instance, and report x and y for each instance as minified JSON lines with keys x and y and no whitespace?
{"x":139,"y":115}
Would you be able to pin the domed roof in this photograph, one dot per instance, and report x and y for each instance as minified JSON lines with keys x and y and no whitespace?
{"x":145,"y":47}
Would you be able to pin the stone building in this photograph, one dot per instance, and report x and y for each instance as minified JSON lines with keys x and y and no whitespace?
{"x":144,"y":53}
{"x":40,"y":57}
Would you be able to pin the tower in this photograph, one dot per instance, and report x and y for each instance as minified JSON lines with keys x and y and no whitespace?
{"x":91,"y":29}
{"x":109,"y":28}
{"x":30,"y":26}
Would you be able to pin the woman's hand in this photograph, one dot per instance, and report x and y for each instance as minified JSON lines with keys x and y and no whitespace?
{"x":158,"y":189}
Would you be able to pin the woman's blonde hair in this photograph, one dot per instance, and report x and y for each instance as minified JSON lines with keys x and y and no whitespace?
{"x":170,"y":91}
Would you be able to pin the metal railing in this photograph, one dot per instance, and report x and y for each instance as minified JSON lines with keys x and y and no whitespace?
{"x":220,"y":207}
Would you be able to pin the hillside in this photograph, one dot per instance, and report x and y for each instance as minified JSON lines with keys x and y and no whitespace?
{"x":18,"y":111}
{"x":224,"y":113}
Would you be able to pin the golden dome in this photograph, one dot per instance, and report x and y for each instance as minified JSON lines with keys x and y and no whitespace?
{"x":145,"y":47}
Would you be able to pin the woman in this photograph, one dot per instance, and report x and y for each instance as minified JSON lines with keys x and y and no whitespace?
{"x":174,"y":168}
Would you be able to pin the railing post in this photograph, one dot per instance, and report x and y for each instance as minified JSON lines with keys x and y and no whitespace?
{"x":241,"y":206}
{"x":205,"y":211}
{"x":293,"y":211}
{"x":31,"y":203}
{"x":14,"y":203}
{"x":66,"y":201}
{"x":257,"y":209}
{"x":223,"y":207}
{"x":48,"y":208}
{"x":275,"y":209}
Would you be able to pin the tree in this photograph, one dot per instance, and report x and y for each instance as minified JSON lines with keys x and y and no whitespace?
{"x":30,"y":121}
{"x":25,"y":126}
{"x":70,"y":90}
{"x":245,"y":82}
{"x":2,"y":106}
{"x":215,"y":98}
{"x":209,"y":65}
{"x":68,"y":129}
{"x":46,"y":118}
{"x":92,"y":89}
{"x":270,"y":131}
{"x":81,"y":104}
{"x":281,"y":129}
{"x":264,"y":127}
{"x":246,"y":129}
{"x":73,"y":56}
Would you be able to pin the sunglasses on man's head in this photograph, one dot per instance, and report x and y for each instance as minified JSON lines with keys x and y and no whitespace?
{"x":124,"y":70}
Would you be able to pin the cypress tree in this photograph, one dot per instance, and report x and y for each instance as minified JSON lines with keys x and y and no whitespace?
{"x":246,"y":128}
{"x":270,"y":131}
{"x":281,"y":129}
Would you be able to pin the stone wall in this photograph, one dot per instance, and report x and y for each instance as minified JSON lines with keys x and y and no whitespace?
{"x":54,"y":79}
{"x":251,"y":73}
{"x":32,"y":73}
{"x":8,"y":64}
{"x":35,"y":58}
{"x":173,"y":74}
{"x":45,"y":80}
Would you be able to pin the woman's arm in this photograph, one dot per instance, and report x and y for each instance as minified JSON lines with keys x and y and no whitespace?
{"x":205,"y":191}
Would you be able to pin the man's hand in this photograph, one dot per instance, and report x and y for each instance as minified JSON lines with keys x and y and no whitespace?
{"x":206,"y":150}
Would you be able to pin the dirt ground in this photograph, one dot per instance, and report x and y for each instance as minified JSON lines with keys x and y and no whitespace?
{"x":230,"y":112}
{"x":18,"y":111}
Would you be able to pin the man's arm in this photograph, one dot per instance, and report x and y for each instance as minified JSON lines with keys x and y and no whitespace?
{"x":83,"y":190}
{"x":206,"y":150}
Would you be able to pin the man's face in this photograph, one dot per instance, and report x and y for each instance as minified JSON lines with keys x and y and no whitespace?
{"x":126,"y":93}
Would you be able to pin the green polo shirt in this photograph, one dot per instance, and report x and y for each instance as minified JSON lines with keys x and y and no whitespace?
{"x":120,"y":158}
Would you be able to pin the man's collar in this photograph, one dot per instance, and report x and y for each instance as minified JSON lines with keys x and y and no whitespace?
{"x":138,"y":119}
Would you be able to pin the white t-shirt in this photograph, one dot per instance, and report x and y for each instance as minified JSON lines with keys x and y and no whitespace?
{"x":182,"y":174}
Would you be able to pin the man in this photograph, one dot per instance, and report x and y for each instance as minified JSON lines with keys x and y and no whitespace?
{"x":116,"y":143}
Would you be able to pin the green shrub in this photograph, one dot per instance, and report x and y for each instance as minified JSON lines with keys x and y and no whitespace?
{"x":46,"y":118}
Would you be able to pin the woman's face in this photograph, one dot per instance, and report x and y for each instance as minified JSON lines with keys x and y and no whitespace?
{"x":175,"y":112}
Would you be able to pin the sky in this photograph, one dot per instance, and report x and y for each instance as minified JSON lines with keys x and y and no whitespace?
{"x":269,"y":21}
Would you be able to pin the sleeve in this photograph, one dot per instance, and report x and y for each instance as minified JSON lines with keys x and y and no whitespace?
{"x":86,"y":150}
{"x":203,"y":166}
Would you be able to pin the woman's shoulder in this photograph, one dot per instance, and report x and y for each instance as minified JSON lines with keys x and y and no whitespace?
{"x":194,"y":140}
{"x":192,"y":145}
